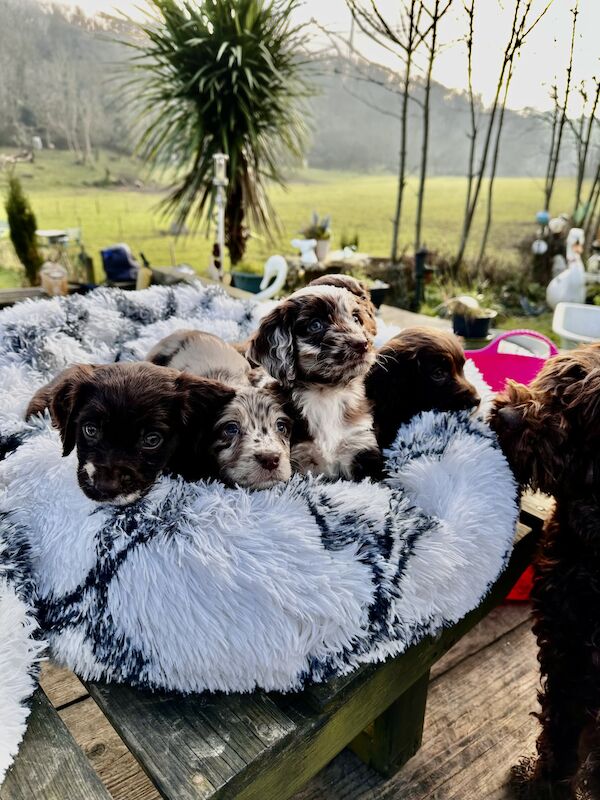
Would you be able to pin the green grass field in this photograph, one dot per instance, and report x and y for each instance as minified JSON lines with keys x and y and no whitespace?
{"x":63,"y":197}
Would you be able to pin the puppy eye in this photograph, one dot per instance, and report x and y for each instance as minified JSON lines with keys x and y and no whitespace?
{"x":152,"y":440}
{"x":231,"y":429}
{"x":282,"y":425}
{"x":438,"y":375}
{"x":90,"y":430}
{"x":315,"y":325}
{"x":356,"y":317}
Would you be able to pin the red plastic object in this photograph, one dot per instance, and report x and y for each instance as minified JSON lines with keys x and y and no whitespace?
{"x":496,"y":366}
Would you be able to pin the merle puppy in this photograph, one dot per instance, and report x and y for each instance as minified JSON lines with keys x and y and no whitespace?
{"x":421,"y":369}
{"x":550,"y":433}
{"x":203,"y":354}
{"x":318,"y":343}
{"x":358,"y":288}
{"x":131,"y":422}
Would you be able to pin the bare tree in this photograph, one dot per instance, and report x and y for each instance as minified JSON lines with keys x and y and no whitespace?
{"x":518,"y":34}
{"x":496,"y":152}
{"x":430,"y":37}
{"x":590,"y":222}
{"x":560,"y":117}
{"x":473,"y":119}
{"x":403,"y":40}
{"x":584,"y":137}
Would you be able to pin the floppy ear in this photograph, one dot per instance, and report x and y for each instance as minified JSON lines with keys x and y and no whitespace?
{"x":272,"y":345}
{"x":63,"y":397}
{"x":202,"y":399}
{"x":521,"y":430}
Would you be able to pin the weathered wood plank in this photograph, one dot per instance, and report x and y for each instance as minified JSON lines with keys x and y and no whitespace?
{"x":60,"y":685}
{"x":498,"y":623}
{"x":50,"y":765}
{"x":477,"y":725}
{"x":396,"y":735}
{"x":191,"y":747}
{"x":535,"y":507}
{"x":114,"y":764}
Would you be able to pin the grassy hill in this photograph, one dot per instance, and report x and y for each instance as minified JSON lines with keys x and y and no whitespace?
{"x":112,"y":201}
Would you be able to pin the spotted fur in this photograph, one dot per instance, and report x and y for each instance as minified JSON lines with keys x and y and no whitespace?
{"x":251,"y":443}
{"x":319,"y":344}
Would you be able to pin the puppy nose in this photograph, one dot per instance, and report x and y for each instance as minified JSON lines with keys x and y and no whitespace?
{"x":360,"y":345}
{"x":114,"y":482}
{"x":472,"y":400}
{"x":269,"y":461}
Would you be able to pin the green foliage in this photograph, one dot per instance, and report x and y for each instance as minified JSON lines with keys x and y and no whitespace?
{"x":349,"y":240}
{"x":221,"y":77}
{"x":319,"y":229}
{"x":23,"y":225}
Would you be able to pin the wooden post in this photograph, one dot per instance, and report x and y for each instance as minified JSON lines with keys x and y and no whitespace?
{"x":396,"y":735}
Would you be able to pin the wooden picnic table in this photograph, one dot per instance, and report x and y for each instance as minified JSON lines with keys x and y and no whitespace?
{"x":260,"y":746}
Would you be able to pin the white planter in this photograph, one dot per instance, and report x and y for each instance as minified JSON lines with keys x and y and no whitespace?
{"x":576,"y":324}
{"x":322,"y":249}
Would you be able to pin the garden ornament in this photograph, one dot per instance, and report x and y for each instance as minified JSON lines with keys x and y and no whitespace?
{"x":558,"y":225}
{"x":569,"y":286}
{"x":308,"y":257}
{"x":274,"y":275}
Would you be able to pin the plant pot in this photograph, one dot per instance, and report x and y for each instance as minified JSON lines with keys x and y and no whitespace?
{"x":247,"y":281}
{"x":472,"y":327}
{"x":378,"y":294}
{"x":322,"y":249}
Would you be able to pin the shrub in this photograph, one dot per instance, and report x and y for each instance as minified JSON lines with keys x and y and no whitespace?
{"x":23,"y":225}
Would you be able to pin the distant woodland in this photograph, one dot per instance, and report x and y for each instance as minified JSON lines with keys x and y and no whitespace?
{"x":57,"y":81}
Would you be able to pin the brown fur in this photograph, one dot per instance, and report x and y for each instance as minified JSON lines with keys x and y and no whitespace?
{"x":130,"y":422}
{"x":550,"y":432}
{"x":421,"y":369}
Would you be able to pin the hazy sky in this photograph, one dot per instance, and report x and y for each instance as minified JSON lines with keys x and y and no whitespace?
{"x":544,"y":54}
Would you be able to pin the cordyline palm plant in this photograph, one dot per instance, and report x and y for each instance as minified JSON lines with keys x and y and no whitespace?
{"x":221,"y":76}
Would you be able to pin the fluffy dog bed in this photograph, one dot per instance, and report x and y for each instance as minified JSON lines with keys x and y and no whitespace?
{"x":198,"y":587}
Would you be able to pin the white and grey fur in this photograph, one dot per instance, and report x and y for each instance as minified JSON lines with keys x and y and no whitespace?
{"x":202,"y":354}
{"x":323,"y":371}
{"x":251,"y":438}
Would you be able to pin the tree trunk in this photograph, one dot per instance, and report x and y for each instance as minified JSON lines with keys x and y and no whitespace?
{"x":555,"y":115}
{"x":402,"y":165}
{"x":494,"y":166}
{"x":425,"y":138}
{"x":563,"y":117}
{"x":236,"y":233}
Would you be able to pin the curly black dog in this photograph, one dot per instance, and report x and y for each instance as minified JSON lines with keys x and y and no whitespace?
{"x":550,"y":432}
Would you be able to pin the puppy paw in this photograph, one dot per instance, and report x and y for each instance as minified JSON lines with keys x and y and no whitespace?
{"x":527,"y":784}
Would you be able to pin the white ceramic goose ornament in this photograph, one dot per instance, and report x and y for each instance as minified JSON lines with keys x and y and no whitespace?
{"x":569,"y":286}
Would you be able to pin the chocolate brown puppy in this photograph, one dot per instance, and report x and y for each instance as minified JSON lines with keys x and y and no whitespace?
{"x":550,"y":434}
{"x":421,"y":369}
{"x":131,"y":422}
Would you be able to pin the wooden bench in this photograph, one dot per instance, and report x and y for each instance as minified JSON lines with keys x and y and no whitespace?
{"x":259,"y":746}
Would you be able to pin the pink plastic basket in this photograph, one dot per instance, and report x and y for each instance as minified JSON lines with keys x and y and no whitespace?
{"x":518,"y":354}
